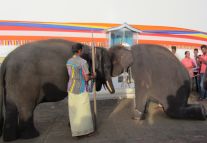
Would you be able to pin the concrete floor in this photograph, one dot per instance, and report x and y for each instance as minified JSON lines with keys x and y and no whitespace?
{"x":116,"y":126}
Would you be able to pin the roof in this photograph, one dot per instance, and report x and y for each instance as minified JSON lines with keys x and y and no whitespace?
{"x":125,"y":25}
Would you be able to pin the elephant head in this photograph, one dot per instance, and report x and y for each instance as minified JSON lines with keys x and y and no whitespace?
{"x":121,"y":59}
{"x":103,"y":67}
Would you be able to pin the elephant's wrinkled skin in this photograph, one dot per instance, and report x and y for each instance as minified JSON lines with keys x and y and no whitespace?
{"x":35,"y":73}
{"x":158,"y":76}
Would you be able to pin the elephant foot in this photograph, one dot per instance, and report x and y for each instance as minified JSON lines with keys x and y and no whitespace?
{"x":142,"y":117}
{"x":197,"y":112}
{"x":27,"y":128}
{"x":10,"y":133}
{"x":28,"y":134}
{"x":137,"y":115}
{"x":203,"y":113}
{"x":191,"y":111}
{"x":135,"y":118}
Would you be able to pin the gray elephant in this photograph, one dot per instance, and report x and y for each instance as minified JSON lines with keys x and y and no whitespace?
{"x":35,"y":73}
{"x":159,"y":77}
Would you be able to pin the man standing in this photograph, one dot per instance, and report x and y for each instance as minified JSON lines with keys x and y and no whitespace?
{"x":196,"y":70}
{"x":203,"y":60}
{"x":78,"y":98}
{"x":173,"y":49}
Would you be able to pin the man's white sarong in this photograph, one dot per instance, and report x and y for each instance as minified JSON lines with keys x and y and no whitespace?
{"x":80,"y":114}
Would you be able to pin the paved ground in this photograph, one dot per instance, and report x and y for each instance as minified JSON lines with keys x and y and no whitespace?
{"x":115,"y":125}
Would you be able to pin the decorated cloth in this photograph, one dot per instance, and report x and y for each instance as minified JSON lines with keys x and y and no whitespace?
{"x":78,"y":98}
{"x":203,"y":60}
{"x":77,"y":67}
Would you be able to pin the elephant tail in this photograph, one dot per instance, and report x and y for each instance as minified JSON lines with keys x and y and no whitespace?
{"x":2,"y":93}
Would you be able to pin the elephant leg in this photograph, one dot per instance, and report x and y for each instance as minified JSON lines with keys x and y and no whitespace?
{"x":146,"y":107}
{"x":191,"y":111}
{"x":26,"y":123}
{"x":135,"y":113}
{"x":10,"y":128}
{"x":140,"y":105}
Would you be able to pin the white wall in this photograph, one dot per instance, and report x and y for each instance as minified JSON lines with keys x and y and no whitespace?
{"x":181,"y":52}
{"x":179,"y":13}
{"x":5,"y":50}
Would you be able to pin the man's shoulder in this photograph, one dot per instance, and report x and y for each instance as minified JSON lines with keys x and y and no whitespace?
{"x":82,"y":60}
{"x":70,"y":60}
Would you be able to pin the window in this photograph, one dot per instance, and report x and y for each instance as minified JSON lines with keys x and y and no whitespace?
{"x":120,"y":36}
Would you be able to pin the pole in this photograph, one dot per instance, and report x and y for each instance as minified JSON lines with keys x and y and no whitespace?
{"x":94,"y":85}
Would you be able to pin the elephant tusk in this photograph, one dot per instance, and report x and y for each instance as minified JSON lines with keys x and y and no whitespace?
{"x":108,"y":85}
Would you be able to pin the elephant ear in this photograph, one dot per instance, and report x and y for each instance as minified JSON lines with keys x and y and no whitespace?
{"x":121,"y":59}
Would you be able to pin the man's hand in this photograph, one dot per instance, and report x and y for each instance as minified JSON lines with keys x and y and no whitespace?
{"x":92,"y":76}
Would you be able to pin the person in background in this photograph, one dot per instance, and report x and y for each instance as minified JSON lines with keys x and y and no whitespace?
{"x":203,"y":61}
{"x":173,"y":50}
{"x":189,"y":64}
{"x":196,"y":69}
{"x":80,"y":115}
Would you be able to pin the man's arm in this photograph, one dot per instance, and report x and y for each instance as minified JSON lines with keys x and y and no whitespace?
{"x":203,"y":61}
{"x":86,"y":75}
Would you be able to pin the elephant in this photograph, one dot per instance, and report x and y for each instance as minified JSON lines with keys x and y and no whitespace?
{"x":35,"y":73}
{"x":158,"y":76}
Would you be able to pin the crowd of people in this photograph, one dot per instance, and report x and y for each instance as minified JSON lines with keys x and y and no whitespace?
{"x":196,"y":67}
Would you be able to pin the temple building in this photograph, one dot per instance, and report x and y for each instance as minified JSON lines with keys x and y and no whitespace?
{"x":15,"y":33}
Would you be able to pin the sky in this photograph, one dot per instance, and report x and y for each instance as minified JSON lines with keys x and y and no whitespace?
{"x":189,"y":14}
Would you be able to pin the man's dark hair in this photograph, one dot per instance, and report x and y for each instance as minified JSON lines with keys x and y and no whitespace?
{"x":76,"y":47}
{"x":196,"y":49}
{"x":203,"y":46}
{"x":173,"y":47}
